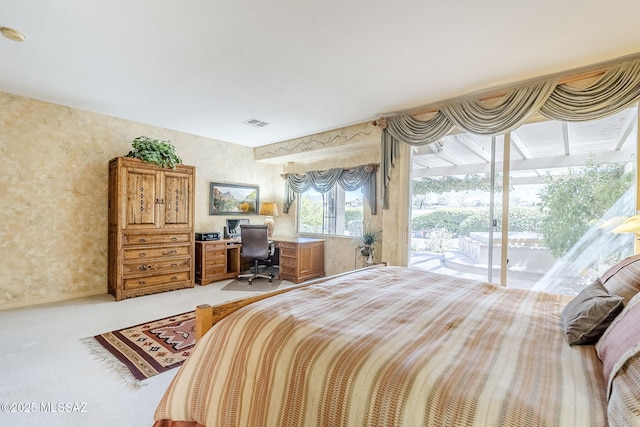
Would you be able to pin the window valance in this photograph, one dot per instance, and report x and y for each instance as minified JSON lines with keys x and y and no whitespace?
{"x":350,"y":179}
{"x":616,"y":89}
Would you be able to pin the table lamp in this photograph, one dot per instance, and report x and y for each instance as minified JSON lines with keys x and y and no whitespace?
{"x":269,"y":209}
{"x":631,"y":225}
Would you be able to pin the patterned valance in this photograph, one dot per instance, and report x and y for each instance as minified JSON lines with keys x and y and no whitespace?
{"x":322,"y":181}
{"x":616,"y":89}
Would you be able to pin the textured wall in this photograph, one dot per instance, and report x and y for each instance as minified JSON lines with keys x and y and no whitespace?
{"x":53,"y":194}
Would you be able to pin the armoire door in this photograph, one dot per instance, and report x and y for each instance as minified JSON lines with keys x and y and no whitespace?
{"x":142,"y":187}
{"x":175,"y":193}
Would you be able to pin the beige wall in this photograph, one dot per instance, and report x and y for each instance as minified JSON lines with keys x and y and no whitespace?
{"x":53,"y":195}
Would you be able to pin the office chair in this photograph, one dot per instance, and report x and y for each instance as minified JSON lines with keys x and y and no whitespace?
{"x":255,"y":245}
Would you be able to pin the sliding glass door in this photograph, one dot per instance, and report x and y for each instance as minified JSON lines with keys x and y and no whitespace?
{"x":567,"y":186}
{"x":456,"y":193}
{"x":582,"y":180}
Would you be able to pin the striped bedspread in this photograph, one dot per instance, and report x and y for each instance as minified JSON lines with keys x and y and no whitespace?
{"x":390,"y":346}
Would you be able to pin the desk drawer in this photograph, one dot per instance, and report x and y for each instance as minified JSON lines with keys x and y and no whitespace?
{"x":287,"y":271}
{"x":216,"y":254}
{"x":214,"y":269}
{"x":288,"y":250}
{"x":287,"y":261}
{"x":288,"y":253}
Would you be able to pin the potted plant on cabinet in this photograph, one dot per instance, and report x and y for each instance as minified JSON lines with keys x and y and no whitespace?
{"x":161,"y":153}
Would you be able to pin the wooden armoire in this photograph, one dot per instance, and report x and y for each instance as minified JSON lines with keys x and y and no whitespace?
{"x":151,"y":238}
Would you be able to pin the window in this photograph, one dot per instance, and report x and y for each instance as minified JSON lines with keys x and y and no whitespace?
{"x":569,"y":185}
{"x":336,"y":212}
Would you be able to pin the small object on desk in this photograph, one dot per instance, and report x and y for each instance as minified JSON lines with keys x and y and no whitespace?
{"x":232,"y":230}
{"x":205,"y":237}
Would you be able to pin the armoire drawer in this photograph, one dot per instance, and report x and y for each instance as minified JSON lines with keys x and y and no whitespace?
{"x":160,"y":279}
{"x":156,"y":266}
{"x":156,"y":252}
{"x":155,"y":239}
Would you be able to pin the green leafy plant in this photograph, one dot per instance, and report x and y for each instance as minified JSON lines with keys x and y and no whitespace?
{"x":161,"y":153}
{"x":574,"y":201}
{"x":369,"y":235}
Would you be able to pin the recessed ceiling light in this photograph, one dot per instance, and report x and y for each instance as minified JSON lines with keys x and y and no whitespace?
{"x":12,"y":34}
{"x":255,"y":123}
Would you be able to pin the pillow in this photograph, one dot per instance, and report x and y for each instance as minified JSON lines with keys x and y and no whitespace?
{"x":620,"y":342}
{"x":624,"y":405}
{"x":623,"y":278}
{"x":589,"y":314}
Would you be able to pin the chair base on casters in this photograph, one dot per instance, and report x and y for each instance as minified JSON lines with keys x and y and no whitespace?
{"x":256,"y":274}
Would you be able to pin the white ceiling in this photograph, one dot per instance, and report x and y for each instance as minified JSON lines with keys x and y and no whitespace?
{"x":205,"y":66}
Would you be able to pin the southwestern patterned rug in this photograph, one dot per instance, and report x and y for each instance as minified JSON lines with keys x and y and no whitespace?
{"x":142,"y":351}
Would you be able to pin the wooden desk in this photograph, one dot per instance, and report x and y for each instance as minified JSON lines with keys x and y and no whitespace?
{"x":217,"y":260}
{"x":300,"y":259}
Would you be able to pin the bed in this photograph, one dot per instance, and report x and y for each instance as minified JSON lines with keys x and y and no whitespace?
{"x":395,"y":346}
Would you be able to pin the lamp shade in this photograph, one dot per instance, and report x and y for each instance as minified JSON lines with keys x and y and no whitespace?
{"x":631,"y":225}
{"x":269,"y":209}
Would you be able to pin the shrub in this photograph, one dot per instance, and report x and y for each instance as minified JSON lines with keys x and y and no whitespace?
{"x":461,"y":222}
{"x":448,"y":219}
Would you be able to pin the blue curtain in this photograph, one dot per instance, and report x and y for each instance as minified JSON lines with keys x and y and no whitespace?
{"x":351,"y":179}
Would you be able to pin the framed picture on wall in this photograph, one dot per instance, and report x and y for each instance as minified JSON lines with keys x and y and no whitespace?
{"x":229,"y":199}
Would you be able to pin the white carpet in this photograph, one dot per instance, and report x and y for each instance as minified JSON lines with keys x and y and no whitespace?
{"x":45,"y":366}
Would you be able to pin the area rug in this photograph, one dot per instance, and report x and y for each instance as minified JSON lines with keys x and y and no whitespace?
{"x":257,"y":285}
{"x":142,"y":351}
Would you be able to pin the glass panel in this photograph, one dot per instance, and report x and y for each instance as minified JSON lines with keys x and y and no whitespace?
{"x":567,"y":198}
{"x":336,"y":212}
{"x":451,"y":225}
{"x":569,"y":185}
{"x":310,"y":212}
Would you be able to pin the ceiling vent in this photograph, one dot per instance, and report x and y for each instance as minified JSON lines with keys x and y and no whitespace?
{"x":255,"y":123}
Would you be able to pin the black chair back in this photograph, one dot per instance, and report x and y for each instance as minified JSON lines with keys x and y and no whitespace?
{"x":255,"y":241}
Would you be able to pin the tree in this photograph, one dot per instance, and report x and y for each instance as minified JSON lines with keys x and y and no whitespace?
{"x":445,"y":184}
{"x":572,"y":202}
{"x":310,"y":215}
